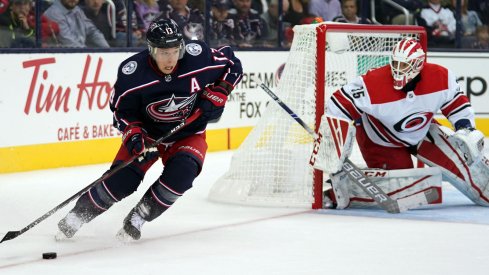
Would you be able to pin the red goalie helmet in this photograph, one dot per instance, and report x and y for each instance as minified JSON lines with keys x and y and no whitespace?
{"x":407,"y":61}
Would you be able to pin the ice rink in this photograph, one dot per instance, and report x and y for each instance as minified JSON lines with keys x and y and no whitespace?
{"x":197,"y":236}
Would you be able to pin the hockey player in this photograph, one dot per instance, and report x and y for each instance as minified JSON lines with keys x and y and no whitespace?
{"x":393,"y":108}
{"x":154,"y":91}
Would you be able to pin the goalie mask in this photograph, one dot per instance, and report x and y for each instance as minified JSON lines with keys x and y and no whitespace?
{"x":164,"y":33}
{"x":407,"y":61}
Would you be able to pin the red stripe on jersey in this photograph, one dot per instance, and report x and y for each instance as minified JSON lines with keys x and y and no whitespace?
{"x":434,"y":78}
{"x":346,"y":104}
{"x":386,"y":134}
{"x":456,"y":103}
{"x":379,"y":83}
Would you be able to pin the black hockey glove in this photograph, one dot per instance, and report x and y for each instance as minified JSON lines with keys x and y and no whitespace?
{"x":212,"y":102}
{"x":133,"y":139}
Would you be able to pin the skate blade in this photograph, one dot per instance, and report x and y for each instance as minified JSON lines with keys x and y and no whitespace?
{"x":123,"y":237}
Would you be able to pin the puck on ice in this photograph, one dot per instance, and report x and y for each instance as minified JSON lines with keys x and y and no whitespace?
{"x":49,"y":255}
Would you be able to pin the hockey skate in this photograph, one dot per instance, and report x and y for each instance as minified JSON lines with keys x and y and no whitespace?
{"x":131,"y":229}
{"x":69,"y":225}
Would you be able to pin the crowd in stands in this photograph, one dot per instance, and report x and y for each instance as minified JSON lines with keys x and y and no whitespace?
{"x":240,"y":23}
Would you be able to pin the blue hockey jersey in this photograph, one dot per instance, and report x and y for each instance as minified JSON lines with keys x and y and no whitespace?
{"x":157,"y":102}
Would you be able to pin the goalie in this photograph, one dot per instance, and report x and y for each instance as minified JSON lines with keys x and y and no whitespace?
{"x":392,"y":109}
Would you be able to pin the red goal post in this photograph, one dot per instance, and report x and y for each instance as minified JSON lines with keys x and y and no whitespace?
{"x":271,"y":167}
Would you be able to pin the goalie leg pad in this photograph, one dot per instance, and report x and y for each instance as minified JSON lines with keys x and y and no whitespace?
{"x":340,"y":184}
{"x":396,"y":183}
{"x":439,"y":150}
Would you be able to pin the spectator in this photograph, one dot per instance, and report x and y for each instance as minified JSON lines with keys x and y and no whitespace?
{"x":482,"y":38}
{"x":297,"y":11}
{"x":191,"y":21}
{"x":146,"y":12}
{"x":439,"y":22}
{"x":196,"y":4}
{"x":222,"y":24}
{"x":271,"y":17}
{"x":326,"y":9}
{"x":470,"y":19}
{"x":250,"y":28}
{"x":482,"y":9}
{"x":121,"y":26}
{"x":99,"y":11}
{"x":387,"y":14}
{"x":261,"y":6}
{"x":76,"y":30}
{"x":18,"y":26}
{"x":349,"y":13}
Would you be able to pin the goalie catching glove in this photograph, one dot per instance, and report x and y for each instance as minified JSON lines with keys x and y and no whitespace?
{"x":468,"y":140}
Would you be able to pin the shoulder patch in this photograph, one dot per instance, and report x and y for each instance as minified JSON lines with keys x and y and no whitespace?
{"x":130,"y":67}
{"x":193,"y":49}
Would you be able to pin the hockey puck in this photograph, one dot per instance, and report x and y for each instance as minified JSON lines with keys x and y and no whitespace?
{"x":49,"y":255}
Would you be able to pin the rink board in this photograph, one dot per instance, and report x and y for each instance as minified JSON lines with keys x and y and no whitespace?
{"x":58,"y":116}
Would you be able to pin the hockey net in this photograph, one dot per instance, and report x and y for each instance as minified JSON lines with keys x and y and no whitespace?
{"x":271,"y":167}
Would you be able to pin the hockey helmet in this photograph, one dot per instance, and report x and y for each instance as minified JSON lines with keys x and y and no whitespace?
{"x":407,"y":61}
{"x":164,"y":33}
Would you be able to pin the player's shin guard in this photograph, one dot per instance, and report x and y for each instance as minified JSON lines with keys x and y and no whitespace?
{"x":146,"y":210}
{"x":97,"y":200}
{"x":180,"y":171}
{"x":83,"y":212}
{"x":438,"y":150}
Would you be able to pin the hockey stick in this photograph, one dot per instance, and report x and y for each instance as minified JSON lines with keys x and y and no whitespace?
{"x":355,"y":174}
{"x":14,"y":234}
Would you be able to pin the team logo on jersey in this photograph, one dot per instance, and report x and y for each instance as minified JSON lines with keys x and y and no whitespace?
{"x":171,"y":109}
{"x":193,"y":49}
{"x":413,"y":122}
{"x":130,"y":67}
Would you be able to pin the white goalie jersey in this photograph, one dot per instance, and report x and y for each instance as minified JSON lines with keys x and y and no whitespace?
{"x":395,"y":118}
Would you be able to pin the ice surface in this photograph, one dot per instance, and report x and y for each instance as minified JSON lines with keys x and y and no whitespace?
{"x":197,"y":236}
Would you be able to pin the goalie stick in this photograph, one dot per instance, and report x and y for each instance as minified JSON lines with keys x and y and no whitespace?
{"x":14,"y":234}
{"x":355,"y":174}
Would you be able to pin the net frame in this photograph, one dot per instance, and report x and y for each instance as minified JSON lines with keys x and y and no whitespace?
{"x":234,"y":187}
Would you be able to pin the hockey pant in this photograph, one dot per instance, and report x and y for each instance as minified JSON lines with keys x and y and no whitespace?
{"x":437,"y":150}
{"x":182,"y":162}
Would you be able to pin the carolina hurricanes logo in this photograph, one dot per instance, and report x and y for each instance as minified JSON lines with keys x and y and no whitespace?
{"x":171,"y":109}
{"x":413,"y":122}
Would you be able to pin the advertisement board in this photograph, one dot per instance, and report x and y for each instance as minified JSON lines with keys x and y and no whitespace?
{"x":56,"y":106}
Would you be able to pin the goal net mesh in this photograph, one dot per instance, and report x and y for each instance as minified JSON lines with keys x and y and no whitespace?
{"x":271,"y":167}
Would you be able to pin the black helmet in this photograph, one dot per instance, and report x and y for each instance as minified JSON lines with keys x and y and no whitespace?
{"x":164,"y":33}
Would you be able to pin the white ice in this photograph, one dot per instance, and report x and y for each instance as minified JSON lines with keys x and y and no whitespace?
{"x":197,"y":236}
